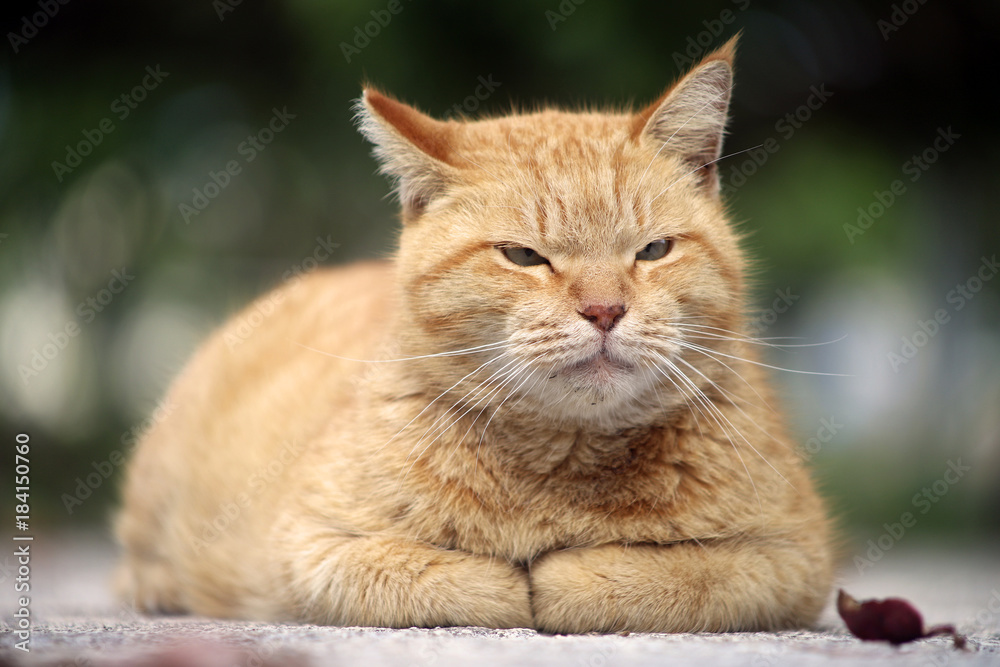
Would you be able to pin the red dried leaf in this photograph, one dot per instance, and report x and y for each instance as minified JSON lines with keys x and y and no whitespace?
{"x":893,"y":620}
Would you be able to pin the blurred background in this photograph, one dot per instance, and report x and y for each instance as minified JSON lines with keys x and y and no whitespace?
{"x":163,"y":162}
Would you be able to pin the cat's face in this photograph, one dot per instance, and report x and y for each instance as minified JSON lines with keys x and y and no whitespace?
{"x":578,"y":250}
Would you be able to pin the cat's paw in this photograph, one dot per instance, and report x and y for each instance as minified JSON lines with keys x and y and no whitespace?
{"x":574,"y":591}
{"x":681,"y":587}
{"x":638,"y":588}
{"x":478,"y":591}
{"x":393,"y":582}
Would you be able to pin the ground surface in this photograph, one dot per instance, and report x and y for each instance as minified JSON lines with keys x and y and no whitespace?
{"x":75,"y":621}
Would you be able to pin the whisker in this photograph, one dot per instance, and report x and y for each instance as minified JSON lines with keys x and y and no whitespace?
{"x":497,"y":410}
{"x":705,"y":351}
{"x":721,"y":157}
{"x":709,"y":352}
{"x":435,"y":400}
{"x":656,"y":388}
{"x":492,"y":393}
{"x":471,"y":394}
{"x":450,"y":353}
{"x":441,"y":430}
{"x":726,"y":394}
{"x":753,"y":339}
{"x":757,"y":341}
{"x":713,"y":412}
{"x":510,"y":377}
{"x":732,"y":401}
{"x":541,"y":377}
{"x":721,"y":414}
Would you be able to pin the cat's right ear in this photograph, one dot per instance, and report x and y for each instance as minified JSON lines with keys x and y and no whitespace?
{"x":413,"y":149}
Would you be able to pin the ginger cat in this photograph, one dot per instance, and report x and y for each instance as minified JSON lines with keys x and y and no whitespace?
{"x":566,"y":428}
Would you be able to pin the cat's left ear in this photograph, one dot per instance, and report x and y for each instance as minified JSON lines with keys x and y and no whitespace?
{"x":689,"y":119}
{"x":413,"y":149}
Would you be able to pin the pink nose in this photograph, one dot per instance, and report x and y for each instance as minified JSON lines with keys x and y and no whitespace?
{"x":602,"y":316}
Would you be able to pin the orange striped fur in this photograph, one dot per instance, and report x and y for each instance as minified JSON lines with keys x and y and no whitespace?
{"x":568,"y":429}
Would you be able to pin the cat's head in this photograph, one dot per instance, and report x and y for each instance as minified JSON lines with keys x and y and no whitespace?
{"x":577,"y":249}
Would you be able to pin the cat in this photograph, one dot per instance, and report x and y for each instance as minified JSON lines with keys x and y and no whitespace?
{"x":543,"y":412}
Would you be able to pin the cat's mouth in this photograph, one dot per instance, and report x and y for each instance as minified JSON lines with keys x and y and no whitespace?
{"x":600,"y":367}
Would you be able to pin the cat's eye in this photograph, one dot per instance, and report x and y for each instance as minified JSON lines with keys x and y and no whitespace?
{"x":655,"y":250}
{"x":523,"y":256}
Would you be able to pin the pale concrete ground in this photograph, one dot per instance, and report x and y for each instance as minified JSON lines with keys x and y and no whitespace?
{"x":77,"y":622}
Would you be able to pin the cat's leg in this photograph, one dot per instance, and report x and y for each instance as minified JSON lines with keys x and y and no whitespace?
{"x":678,"y":588}
{"x":331,"y":578}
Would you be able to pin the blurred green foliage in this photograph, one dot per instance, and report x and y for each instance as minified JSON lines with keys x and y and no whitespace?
{"x":231,"y":66}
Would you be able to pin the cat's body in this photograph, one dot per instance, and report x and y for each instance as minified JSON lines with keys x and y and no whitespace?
{"x":528,"y":453}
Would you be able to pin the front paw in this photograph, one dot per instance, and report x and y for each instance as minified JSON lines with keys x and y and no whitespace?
{"x":393,"y":582}
{"x":685,"y":587}
{"x":639,"y":588}
{"x":583,"y":590}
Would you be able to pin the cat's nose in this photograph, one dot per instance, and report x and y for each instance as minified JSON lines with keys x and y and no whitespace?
{"x":603,"y":316}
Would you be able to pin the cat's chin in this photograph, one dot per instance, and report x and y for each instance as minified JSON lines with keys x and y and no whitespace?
{"x":600,"y":389}
{"x":599,"y":382}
